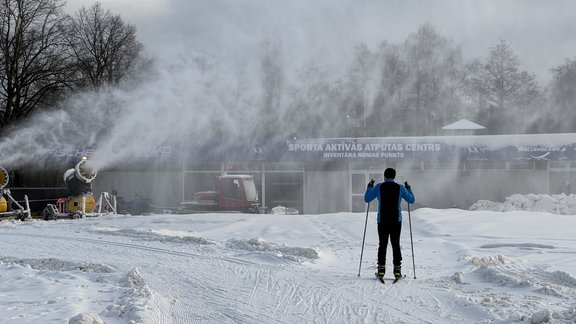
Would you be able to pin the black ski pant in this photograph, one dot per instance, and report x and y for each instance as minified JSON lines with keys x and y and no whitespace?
{"x":389,"y":230}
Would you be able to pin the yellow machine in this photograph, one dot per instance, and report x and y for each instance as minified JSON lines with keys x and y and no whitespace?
{"x":85,"y":204}
{"x":79,"y":183}
{"x":6,"y":200}
{"x":3,"y":183}
{"x":81,"y":202}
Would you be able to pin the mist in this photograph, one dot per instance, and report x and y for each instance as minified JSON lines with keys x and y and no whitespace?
{"x":176,"y":102}
{"x":255,"y":70}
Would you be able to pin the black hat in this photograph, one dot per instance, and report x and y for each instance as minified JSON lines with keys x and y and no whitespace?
{"x":389,"y":173}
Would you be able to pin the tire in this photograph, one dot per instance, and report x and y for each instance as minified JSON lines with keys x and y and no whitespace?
{"x":48,"y":213}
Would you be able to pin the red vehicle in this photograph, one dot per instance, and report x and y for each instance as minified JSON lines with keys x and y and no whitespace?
{"x":233,"y":193}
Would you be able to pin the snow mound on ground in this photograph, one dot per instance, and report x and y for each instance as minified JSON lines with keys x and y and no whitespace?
{"x":153,"y":235}
{"x":86,"y":318}
{"x":514,"y":274}
{"x":557,"y":204}
{"x":288,"y":252}
{"x":540,"y":317}
{"x":502,"y":277}
{"x":134,"y":293}
{"x":57,"y":286}
{"x":134,"y":301}
{"x":489,"y":260}
{"x":52,"y":264}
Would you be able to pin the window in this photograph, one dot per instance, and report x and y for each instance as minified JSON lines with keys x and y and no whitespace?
{"x":358,"y":183}
{"x":521,"y":165}
{"x":485,"y":165}
{"x":231,"y":189}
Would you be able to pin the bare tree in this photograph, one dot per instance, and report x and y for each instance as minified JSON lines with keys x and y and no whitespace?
{"x":311,"y":104}
{"x":33,"y":61}
{"x":436,"y":73}
{"x":273,"y":85}
{"x":560,"y":116}
{"x":500,"y":75}
{"x":419,"y":85}
{"x":104,"y":47}
{"x":361,"y":89}
{"x":505,"y":89}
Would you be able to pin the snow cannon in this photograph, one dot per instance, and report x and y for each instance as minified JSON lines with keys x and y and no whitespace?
{"x":4,"y":178}
{"x":80,"y":202}
{"x":3,"y":183}
{"x":79,"y":179}
{"x":8,"y":206}
{"x":79,"y":182}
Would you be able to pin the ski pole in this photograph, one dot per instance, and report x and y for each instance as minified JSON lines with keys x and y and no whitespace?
{"x":411,"y":241}
{"x":363,"y":239}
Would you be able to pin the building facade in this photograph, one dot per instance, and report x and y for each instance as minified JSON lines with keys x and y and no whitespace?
{"x":325,"y":175}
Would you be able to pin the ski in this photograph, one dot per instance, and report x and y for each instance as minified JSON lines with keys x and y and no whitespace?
{"x":398,"y":279}
{"x":395,"y":280}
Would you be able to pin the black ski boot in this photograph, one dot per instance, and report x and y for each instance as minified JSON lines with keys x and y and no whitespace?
{"x":397,"y":272}
{"x":381,"y":271}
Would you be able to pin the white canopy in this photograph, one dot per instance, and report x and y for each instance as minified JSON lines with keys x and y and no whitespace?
{"x":463,"y":124}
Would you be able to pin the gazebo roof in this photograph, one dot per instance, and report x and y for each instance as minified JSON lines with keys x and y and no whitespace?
{"x":463,"y":124}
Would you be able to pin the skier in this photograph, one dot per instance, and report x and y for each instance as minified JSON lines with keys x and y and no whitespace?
{"x":389,"y":194}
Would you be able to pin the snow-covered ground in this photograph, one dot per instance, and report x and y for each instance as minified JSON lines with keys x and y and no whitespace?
{"x":472,"y":266}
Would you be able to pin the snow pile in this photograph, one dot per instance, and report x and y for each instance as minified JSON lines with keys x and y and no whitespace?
{"x":85,"y":318}
{"x":555,"y":286}
{"x":134,"y":300}
{"x":297,"y":254}
{"x":488,"y":260}
{"x":561,"y":204}
{"x":154,"y":236}
{"x":281,"y":210}
{"x":58,"y":287}
{"x":52,"y":264}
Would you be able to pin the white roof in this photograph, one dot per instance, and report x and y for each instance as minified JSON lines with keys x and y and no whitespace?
{"x":463,"y":124}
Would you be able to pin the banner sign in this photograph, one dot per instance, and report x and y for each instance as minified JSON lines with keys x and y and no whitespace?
{"x":365,"y":149}
{"x":544,"y":147}
{"x":422,"y":149}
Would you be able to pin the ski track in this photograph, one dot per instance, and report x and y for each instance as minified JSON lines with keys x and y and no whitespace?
{"x":260,"y":287}
{"x":271,"y":294}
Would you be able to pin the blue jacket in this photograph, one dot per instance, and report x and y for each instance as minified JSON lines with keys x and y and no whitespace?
{"x":405,"y":193}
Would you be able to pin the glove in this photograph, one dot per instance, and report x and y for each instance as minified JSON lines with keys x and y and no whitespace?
{"x":371,"y":183}
{"x":406,"y":185}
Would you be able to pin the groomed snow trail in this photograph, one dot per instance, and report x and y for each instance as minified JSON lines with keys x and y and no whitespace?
{"x":280,"y":269}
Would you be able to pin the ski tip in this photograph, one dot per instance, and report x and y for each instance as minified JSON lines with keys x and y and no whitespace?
{"x":398,"y":279}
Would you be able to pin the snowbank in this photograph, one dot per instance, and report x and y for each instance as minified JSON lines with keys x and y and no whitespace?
{"x":281,"y":250}
{"x":561,"y":204}
{"x":59,"y":287}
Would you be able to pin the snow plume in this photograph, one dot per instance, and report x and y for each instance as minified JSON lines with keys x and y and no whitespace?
{"x":68,"y":130}
{"x":237,"y":85}
{"x":191,"y":98}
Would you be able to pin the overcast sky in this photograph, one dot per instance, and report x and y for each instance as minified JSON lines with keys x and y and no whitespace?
{"x":541,"y":32}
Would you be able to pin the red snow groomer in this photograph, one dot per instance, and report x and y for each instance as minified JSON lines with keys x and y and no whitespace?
{"x":234,"y":193}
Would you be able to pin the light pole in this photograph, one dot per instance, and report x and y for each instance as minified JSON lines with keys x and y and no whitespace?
{"x":365,"y":107}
